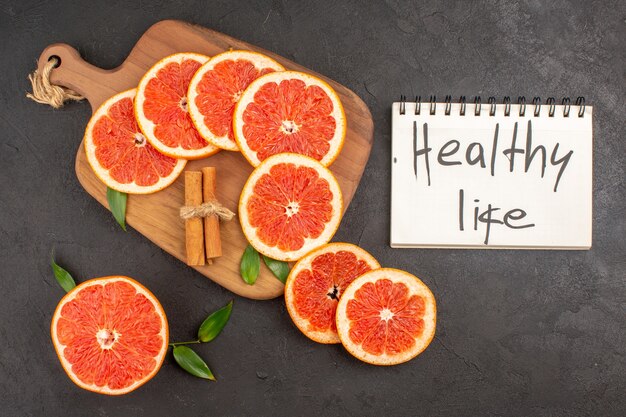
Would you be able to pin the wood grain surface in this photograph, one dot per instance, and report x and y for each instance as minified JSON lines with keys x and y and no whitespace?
{"x":156,"y":215}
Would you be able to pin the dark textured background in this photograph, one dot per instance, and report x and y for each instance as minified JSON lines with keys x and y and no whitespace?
{"x":520,"y":333}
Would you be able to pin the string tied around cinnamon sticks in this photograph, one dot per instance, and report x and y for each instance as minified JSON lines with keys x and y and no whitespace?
{"x":202,"y":213}
{"x":207,"y":209}
{"x":45,"y":92}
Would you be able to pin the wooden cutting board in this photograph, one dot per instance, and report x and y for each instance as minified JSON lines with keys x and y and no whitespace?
{"x":156,"y":215}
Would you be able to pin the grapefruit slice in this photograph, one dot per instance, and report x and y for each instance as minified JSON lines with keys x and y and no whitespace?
{"x":110,"y":335}
{"x":386,"y":317}
{"x":290,"y":205}
{"x":119,"y":153}
{"x":317,"y":282}
{"x":289,"y":111}
{"x":216,"y":88}
{"x":161,"y":107}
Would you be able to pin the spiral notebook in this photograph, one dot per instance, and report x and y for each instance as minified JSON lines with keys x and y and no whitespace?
{"x":491,"y":176}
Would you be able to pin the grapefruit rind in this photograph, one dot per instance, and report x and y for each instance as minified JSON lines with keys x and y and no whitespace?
{"x":58,"y":347}
{"x":309,"y":243}
{"x":329,"y":336}
{"x":259,"y":60}
{"x":416,"y":287}
{"x":148,"y":127}
{"x":103,"y":174}
{"x":338,"y":113}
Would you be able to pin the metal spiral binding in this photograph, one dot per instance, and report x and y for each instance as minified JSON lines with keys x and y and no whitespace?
{"x":492,"y":106}
{"x":566,"y":106}
{"x":521,"y":101}
{"x":537,"y":104}
{"x":550,"y":102}
{"x":477,"y":106}
{"x":580,"y":101}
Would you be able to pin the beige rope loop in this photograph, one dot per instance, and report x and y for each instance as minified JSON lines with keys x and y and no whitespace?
{"x":45,"y":92}
{"x":205,"y":210}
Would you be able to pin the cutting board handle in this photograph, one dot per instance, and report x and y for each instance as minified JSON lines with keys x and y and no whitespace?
{"x":95,"y":84}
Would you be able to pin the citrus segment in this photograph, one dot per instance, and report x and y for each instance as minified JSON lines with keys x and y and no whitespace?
{"x":289,"y":111}
{"x":110,"y":334}
{"x":119,"y":154}
{"x":290,"y":205}
{"x":161,"y":107}
{"x":386,"y":317}
{"x":216,"y":88}
{"x":317,"y":282}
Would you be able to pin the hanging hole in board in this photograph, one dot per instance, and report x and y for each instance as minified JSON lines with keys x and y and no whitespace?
{"x":566,"y":106}
{"x":433,"y":104}
{"x":477,"y":106}
{"x":492,"y":106}
{"x":537,"y":104}
{"x":402,"y":104}
{"x":580,"y":101}
{"x":418,"y":104}
{"x":550,"y":102}
{"x":521,"y":101}
{"x":57,"y":59}
{"x":507,"y":106}
{"x":462,"y":101}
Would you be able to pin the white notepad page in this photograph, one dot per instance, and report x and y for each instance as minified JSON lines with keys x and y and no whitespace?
{"x":526,"y":211}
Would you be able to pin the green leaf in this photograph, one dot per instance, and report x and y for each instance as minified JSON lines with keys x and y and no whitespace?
{"x":280,"y":269}
{"x":63,"y":277}
{"x":192,"y":363}
{"x":213,"y":325}
{"x":117,"y":204}
{"x":250,"y":265}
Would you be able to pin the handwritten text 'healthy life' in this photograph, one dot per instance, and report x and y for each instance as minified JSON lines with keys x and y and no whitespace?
{"x":476,"y":155}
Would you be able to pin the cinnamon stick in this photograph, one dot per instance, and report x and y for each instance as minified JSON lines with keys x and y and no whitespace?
{"x":212,"y":241}
{"x":194,"y":242}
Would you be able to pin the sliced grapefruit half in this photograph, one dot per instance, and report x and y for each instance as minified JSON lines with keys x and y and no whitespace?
{"x":289,"y":111}
{"x":386,"y":317}
{"x":119,"y":153}
{"x":317,"y":282}
{"x":216,"y":88}
{"x":290,"y":205}
{"x":162,"y":111}
{"x":110,"y":334}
